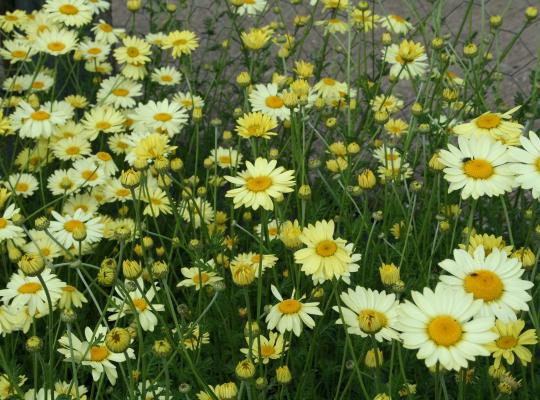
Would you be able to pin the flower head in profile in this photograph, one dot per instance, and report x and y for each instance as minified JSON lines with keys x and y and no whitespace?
{"x":326,"y":257}
{"x":408,"y":59}
{"x":259,"y":183}
{"x":291,"y":314}
{"x":527,"y":163}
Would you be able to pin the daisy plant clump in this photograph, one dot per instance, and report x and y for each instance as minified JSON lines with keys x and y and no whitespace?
{"x":254,"y":199}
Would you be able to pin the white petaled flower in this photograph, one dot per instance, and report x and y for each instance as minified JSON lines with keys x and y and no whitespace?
{"x":494,"y":279}
{"x":42,"y":244}
{"x":198,"y":277}
{"x":69,"y":12}
{"x":478,"y":166}
{"x":266,"y":98}
{"x":86,"y":172}
{"x":166,"y":76}
{"x":255,"y":260}
{"x":408,"y":59}
{"x":326,"y":257}
{"x":444,"y":326}
{"x":291,"y":314}
{"x":22,"y":290}
{"x":226,"y":157}
{"x":330,"y":90}
{"x":259,"y":183}
{"x":188,"y":100}
{"x":63,"y":228}
{"x":196,"y":211}
{"x":40,"y":123}
{"x":139,"y":303}
{"x":93,"y":353}
{"x":56,"y":42}
{"x":23,"y":185}
{"x":10,"y":320}
{"x":527,"y":163}
{"x":369,"y":312}
{"x":119,"y":92}
{"x":251,"y":7}
{"x":396,"y":24}
{"x":8,"y":230}
{"x":164,"y":116}
{"x":498,"y":126}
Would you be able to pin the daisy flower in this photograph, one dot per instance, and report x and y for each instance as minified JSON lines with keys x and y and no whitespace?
{"x":478,"y":166}
{"x":102,"y":119}
{"x":226,"y":157}
{"x":139,"y":303}
{"x":498,"y":126}
{"x":69,"y":12}
{"x":256,"y":124}
{"x":326,"y":258}
{"x":266,"y":98}
{"x":527,"y":163}
{"x":495,"y":279}
{"x":272,"y":229}
{"x":94,"y":51}
{"x":24,"y":185}
{"x":369,"y":312}
{"x":489,"y":242}
{"x":443,"y":325}
{"x":87,"y":173}
{"x":256,"y":261}
{"x":17,"y":50}
{"x":93,"y":353}
{"x":387,"y":103}
{"x":64,"y":227}
{"x":61,"y":182}
{"x":8,"y":230}
{"x":198,"y":278}
{"x":158,"y":202}
{"x":194,"y":337}
{"x":251,"y":7}
{"x":10,"y":320}
{"x":105,"y":33}
{"x":291,"y":314}
{"x":38,"y":83}
{"x":22,"y":290}
{"x":408,"y":59}
{"x":396,"y":24}
{"x":119,"y":92}
{"x":166,"y":76}
{"x":511,"y":342}
{"x":181,"y":42}
{"x":72,"y":148}
{"x":56,"y":42}
{"x":197,"y":211}
{"x":42,"y":244}
{"x":40,"y":123}
{"x":188,"y":100}
{"x":145,"y":148}
{"x":364,"y":19}
{"x":71,"y":297}
{"x":115,"y":191}
{"x":330,"y":89}
{"x":259,"y":183}
{"x":164,"y":116}
{"x":271,"y":348}
{"x":134,"y":51}
{"x":84,"y":202}
{"x":99,"y":6}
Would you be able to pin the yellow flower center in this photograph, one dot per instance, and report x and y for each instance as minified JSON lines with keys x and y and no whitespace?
{"x":478,"y":169}
{"x":254,"y":129}
{"x":40,"y":115}
{"x":73,"y":150}
{"x":371,"y":321}
{"x":103,"y":125}
{"x":29,"y":288}
{"x":38,"y":85}
{"x":69,"y":288}
{"x":267,"y":350}
{"x":132,"y":51}
{"x":256,"y":259}
{"x":82,"y":207}
{"x":326,"y":248}
{"x":94,"y":51}
{"x":274,"y":102}
{"x":46,"y":252}
{"x":105,"y":27}
{"x":537,"y":164}
{"x":56,"y":46}
{"x":103,"y":156}
{"x":488,"y":121}
{"x":21,"y":187}
{"x":225,"y":159}
{"x":89,"y":175}
{"x":506,"y":342}
{"x":289,"y":306}
{"x":203,"y":277}
{"x":397,"y":18}
{"x":163,"y":117}
{"x":329,"y":81}
{"x":140,"y":304}
{"x":166,"y":78}
{"x":180,"y":42}
{"x":444,"y":330}
{"x":484,"y":284}
{"x":18,"y":54}
{"x":122,"y":192}
{"x":98,"y":353}
{"x":258,"y":183}
{"x":68,"y":9}
{"x":73,"y":225}
{"x":3,"y":223}
{"x":272,"y":231}
{"x":120,"y":92}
